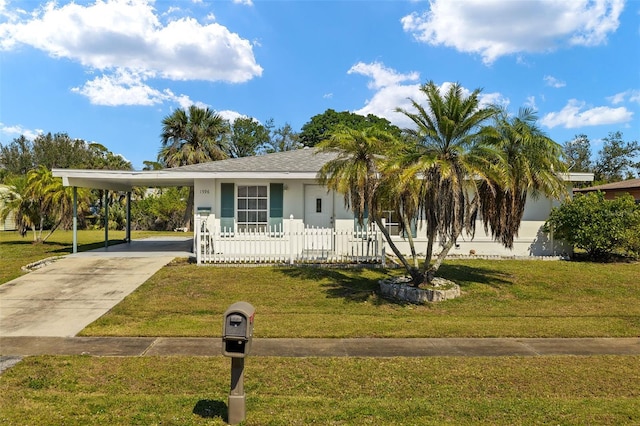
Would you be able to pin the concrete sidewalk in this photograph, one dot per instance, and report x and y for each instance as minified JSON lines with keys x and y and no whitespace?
{"x":354,"y":347}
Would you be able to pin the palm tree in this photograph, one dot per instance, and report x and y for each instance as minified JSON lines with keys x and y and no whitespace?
{"x":361,"y":173}
{"x":190,"y":137}
{"x":55,"y":201}
{"x":19,"y":201}
{"x":532,"y":161}
{"x":449,"y":154}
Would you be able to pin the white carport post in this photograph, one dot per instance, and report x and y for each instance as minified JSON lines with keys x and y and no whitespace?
{"x":128,"y":232}
{"x":75,"y":219}
{"x":106,"y":219}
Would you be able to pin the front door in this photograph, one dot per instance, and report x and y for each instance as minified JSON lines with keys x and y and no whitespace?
{"x":318,"y":214}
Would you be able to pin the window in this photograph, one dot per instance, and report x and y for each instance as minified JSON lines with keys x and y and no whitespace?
{"x":391,"y":222}
{"x":253,"y":207}
{"x":318,"y":205}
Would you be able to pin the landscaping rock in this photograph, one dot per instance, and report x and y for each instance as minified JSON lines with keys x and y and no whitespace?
{"x":399,"y":289}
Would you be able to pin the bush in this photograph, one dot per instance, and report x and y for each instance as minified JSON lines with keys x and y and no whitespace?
{"x":598,"y":226}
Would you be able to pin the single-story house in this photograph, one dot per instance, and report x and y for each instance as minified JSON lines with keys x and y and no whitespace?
{"x":9,"y":223}
{"x":272,"y":208}
{"x":616,"y":189}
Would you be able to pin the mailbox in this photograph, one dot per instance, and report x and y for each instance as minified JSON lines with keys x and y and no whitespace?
{"x":237,"y":330}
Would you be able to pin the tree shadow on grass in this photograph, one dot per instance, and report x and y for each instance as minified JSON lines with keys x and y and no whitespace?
{"x":347,"y":283}
{"x":211,"y":408}
{"x":464,"y":275}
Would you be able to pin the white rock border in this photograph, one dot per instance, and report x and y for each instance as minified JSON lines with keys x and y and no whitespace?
{"x":399,"y":289}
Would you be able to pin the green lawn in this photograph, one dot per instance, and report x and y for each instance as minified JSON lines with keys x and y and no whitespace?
{"x":507,"y":298}
{"x":500,"y":298}
{"x":598,"y":390}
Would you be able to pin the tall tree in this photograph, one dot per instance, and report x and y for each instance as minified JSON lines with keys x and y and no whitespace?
{"x":450,"y":155}
{"x":16,"y":158}
{"x":284,"y":139}
{"x":248,"y":137}
{"x":322,"y":125}
{"x":577,"y":153}
{"x":617,"y":160}
{"x":190,"y":137}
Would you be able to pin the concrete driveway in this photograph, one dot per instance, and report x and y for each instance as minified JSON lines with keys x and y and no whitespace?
{"x":63,"y":297}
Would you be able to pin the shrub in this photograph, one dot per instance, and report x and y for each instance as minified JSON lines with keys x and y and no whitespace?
{"x":598,"y":226}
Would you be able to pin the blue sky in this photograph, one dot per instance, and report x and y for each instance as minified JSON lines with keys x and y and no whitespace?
{"x":109,"y":71}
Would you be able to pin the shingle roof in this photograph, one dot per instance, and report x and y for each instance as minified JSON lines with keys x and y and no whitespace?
{"x":301,"y":160}
{"x":625,"y":184}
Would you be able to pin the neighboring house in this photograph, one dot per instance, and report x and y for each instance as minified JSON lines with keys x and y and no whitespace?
{"x":8,"y":224}
{"x":616,"y":189}
{"x":256,"y":206}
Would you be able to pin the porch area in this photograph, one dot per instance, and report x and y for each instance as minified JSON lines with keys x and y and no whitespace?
{"x":291,"y":242}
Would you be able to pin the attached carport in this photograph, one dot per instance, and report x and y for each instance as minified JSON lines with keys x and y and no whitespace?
{"x":118,"y":180}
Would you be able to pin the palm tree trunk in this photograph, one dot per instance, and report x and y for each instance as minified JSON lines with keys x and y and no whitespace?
{"x":431,"y":238}
{"x":51,"y":231}
{"x":188,"y":213}
{"x":412,"y":245}
{"x":431,"y":272}
{"x":416,"y":276}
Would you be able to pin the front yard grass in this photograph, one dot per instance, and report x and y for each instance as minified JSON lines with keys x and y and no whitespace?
{"x":501,"y":298}
{"x":566,"y":390}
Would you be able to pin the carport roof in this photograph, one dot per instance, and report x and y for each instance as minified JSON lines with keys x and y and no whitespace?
{"x":298,"y":164}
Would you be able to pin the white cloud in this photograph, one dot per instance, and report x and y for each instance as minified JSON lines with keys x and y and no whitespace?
{"x":495,"y":28}
{"x":229,"y":115}
{"x":381,"y":76}
{"x":17,"y":130}
{"x":123,"y":87}
{"x":576,"y":114}
{"x":391,"y":93}
{"x":112,"y":34}
{"x":631,"y":95}
{"x":531,"y":102}
{"x":244,"y":2}
{"x":554,"y":82}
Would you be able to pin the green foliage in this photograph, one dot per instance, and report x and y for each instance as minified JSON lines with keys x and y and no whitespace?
{"x":616,"y":159}
{"x":577,"y":153}
{"x":284,"y":139}
{"x":598,"y":226}
{"x":161,"y":211}
{"x":248,"y":137}
{"x":321,"y":125}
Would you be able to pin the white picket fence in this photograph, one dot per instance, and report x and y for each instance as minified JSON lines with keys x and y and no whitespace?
{"x":291,"y":244}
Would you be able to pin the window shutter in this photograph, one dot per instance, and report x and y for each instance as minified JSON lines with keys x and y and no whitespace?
{"x":227,"y":201}
{"x":276,"y":202}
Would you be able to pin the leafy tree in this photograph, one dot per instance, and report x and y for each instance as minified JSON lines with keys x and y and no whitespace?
{"x":190,"y":137}
{"x":616,"y":160}
{"x":598,"y":226}
{"x":16,"y":158}
{"x":102,"y":158}
{"x":320,"y":126}
{"x":60,"y":151}
{"x":248,"y":137}
{"x":160,"y":211}
{"x":284,"y":139}
{"x":577,"y":153}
